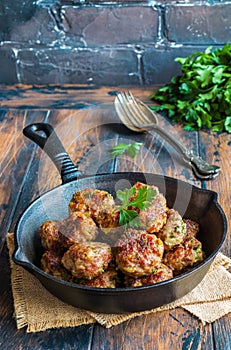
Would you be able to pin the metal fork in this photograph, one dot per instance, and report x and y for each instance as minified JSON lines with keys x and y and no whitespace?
{"x":138,"y":117}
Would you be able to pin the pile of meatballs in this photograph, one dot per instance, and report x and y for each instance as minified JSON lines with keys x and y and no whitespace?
{"x":90,"y":248}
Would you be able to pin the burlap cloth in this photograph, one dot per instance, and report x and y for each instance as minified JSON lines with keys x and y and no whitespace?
{"x":38,"y":310}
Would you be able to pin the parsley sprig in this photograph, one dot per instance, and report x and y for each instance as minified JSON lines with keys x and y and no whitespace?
{"x":131,"y":149}
{"x":201,"y":96}
{"x":133,"y":200}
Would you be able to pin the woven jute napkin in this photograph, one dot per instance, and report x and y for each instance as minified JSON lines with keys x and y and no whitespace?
{"x":38,"y":310}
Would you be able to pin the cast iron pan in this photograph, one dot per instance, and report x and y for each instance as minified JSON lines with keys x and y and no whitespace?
{"x":192,"y":202}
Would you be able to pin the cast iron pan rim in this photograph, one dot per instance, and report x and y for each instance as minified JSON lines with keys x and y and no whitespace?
{"x":110,"y":175}
{"x":114,"y":291}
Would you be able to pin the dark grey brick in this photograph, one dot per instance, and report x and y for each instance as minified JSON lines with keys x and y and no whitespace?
{"x":104,"y":66}
{"x":199,"y":24}
{"x":8,"y":73}
{"x":13,"y":13}
{"x":97,"y":26}
{"x":38,"y":30}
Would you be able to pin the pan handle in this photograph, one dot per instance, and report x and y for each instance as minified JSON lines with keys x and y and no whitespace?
{"x":45,"y":137}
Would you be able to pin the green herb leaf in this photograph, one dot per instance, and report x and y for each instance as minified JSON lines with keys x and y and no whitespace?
{"x":133,"y":200}
{"x":128,"y":216}
{"x":131,"y":149}
{"x":201,"y":96}
{"x":227,"y":124}
{"x":125,"y":195}
{"x":144,"y":198}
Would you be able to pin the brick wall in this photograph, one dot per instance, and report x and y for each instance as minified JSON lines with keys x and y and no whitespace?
{"x":105,"y":42}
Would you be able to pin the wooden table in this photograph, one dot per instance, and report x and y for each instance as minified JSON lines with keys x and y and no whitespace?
{"x":26,"y":172}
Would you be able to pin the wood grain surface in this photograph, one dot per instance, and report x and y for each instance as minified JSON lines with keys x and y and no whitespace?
{"x":85,"y":120}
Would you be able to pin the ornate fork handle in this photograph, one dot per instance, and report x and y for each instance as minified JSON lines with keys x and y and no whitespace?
{"x":199,"y":165}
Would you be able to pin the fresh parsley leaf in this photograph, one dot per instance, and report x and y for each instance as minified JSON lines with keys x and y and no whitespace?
{"x":227,"y":124}
{"x":125,"y":195}
{"x":132,"y":200}
{"x":201,"y":96}
{"x":128,"y":216}
{"x":131,"y":149}
{"x":134,"y":148}
{"x":144,"y":198}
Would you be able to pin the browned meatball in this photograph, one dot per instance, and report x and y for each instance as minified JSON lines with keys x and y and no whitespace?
{"x":192,"y":227}
{"x":108,"y":221}
{"x":51,"y":264}
{"x":50,"y":235}
{"x":161,"y":273}
{"x":174,"y":231}
{"x":76,"y":228}
{"x":184,"y":255}
{"x":107,"y":279}
{"x":153,"y":218}
{"x":99,"y":205}
{"x":92,"y":201}
{"x":139,"y":254}
{"x":87,"y":259}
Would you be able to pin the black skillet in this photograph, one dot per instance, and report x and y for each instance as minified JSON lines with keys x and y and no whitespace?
{"x":192,"y":202}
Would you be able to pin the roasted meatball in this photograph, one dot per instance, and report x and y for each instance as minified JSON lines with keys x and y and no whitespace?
{"x":174,"y":231}
{"x":76,"y":228}
{"x":160,"y":273}
{"x":192,"y":228}
{"x":154,"y":217}
{"x":51,"y":263}
{"x":108,"y":221}
{"x":139,"y":254}
{"x":87,"y":259}
{"x":107,"y":279}
{"x":91,"y":201}
{"x":184,"y":255}
{"x":57,"y":235}
{"x":97,"y":204}
{"x":50,"y":235}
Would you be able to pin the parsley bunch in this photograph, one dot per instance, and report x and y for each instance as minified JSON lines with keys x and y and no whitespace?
{"x":131,"y":200}
{"x":201,"y":96}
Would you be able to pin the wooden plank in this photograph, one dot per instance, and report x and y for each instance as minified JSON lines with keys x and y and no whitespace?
{"x":62,"y":96}
{"x":15,"y":159}
{"x":222,"y":333}
{"x":173,"y":329}
{"x":218,"y":148}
